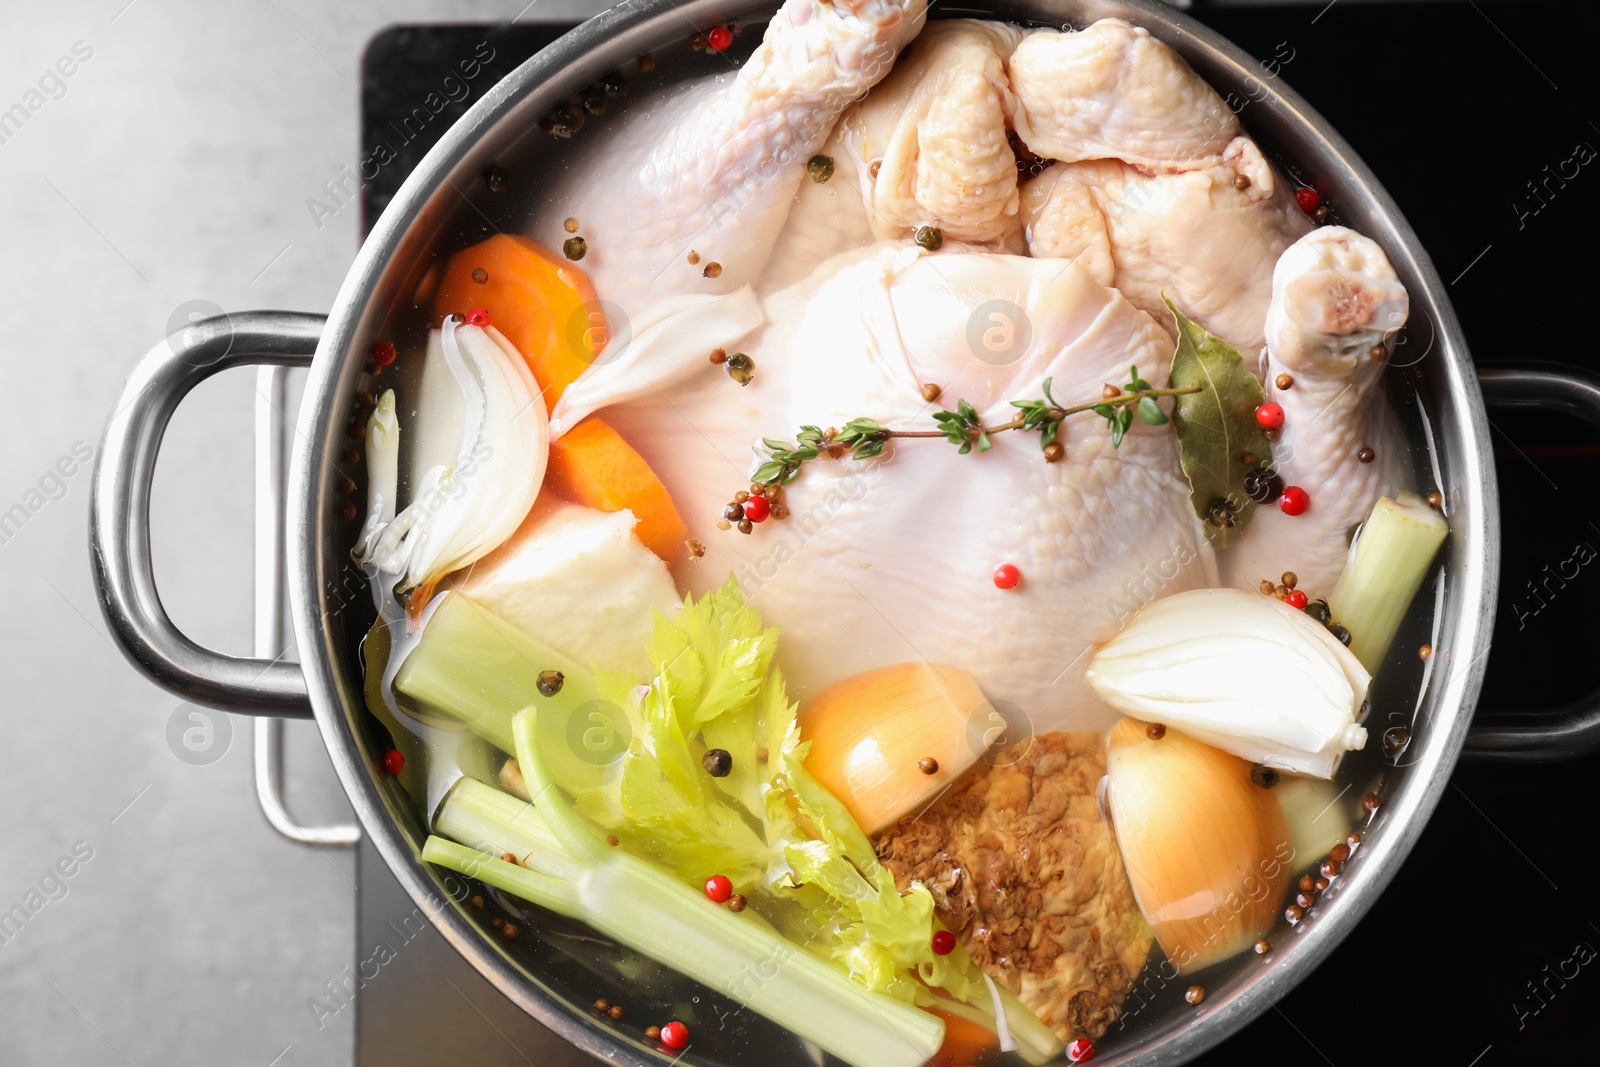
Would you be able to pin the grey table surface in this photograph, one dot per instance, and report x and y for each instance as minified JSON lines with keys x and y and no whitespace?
{"x":172,"y":165}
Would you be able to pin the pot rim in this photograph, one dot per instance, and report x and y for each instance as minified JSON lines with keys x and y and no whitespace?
{"x":1463,"y":460}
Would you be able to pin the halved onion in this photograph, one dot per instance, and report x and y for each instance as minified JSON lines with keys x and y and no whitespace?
{"x":888,"y":741}
{"x":477,"y":494}
{"x":1206,"y":849}
{"x":1241,"y":671}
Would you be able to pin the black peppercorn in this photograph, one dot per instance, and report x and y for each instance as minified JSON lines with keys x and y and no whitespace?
{"x":717,"y":762}
{"x":929,"y":237}
{"x":820,"y":168}
{"x":550,"y":682}
{"x":1340,"y":632}
{"x":1222,"y":514}
{"x":575,"y":248}
{"x":1262,"y":485}
{"x":1265,"y":777}
{"x":1318,"y":609}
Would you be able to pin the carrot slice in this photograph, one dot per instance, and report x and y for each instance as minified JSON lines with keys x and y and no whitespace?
{"x":592,"y":465}
{"x":964,"y":1040}
{"x":544,"y":305}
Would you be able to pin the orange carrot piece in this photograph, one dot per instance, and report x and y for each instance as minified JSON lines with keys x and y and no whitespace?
{"x":963,"y":1040}
{"x":543,"y":304}
{"x":592,"y":465}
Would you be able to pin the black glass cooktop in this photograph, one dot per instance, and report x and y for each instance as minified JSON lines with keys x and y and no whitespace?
{"x":1481,"y":120}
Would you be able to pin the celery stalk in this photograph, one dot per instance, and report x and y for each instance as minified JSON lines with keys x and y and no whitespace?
{"x":488,"y":820}
{"x":1390,"y":559}
{"x":474,"y":666}
{"x":644,"y":907}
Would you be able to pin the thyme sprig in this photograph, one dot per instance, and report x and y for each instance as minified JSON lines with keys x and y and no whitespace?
{"x":865,"y":438}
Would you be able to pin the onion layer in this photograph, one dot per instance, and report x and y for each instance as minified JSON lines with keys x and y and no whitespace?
{"x":461,"y":509}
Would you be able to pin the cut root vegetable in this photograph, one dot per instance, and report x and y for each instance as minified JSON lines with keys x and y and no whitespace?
{"x":592,"y":465}
{"x":888,"y":741}
{"x":543,"y":304}
{"x":1240,"y":671}
{"x":1206,"y":848}
{"x":580,"y":581}
{"x":565,"y":867}
{"x":1390,"y":559}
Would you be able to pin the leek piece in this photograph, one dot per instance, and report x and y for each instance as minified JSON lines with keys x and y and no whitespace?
{"x":474,"y":666}
{"x":644,"y":907}
{"x":1390,"y":559}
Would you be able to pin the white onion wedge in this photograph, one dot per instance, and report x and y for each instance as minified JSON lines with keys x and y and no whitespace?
{"x":461,"y":509}
{"x":1241,"y":671}
{"x":1206,"y":849}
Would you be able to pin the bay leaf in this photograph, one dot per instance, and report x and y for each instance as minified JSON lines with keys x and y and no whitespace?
{"x":1215,"y":427}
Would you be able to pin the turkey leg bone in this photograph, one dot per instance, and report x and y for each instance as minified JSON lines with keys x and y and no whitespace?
{"x":1335,"y":304}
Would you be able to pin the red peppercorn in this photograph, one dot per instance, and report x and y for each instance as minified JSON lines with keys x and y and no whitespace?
{"x":383,"y":353}
{"x":1294,"y":500}
{"x":1297,"y":600}
{"x":1080,"y":1050}
{"x":1269,"y":416}
{"x":393,"y":762}
{"x":478,"y":317}
{"x":675,"y":1035}
{"x":1308,"y":199}
{"x":719,"y":38}
{"x":718,"y":888}
{"x":1006,"y":576}
{"x":944,"y":942}
{"x":756,"y":509}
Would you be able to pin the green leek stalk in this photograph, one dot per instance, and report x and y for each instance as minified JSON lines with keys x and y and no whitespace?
{"x":565,"y":867}
{"x":1392,"y":556}
{"x":474,"y":666}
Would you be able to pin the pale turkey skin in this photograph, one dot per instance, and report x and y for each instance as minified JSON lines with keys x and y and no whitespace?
{"x":936,"y":130}
{"x":714,"y":169}
{"x":1112,"y":91}
{"x":892,"y":560}
{"x":1192,"y":234}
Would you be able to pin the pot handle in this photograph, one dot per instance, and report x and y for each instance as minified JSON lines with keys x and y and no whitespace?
{"x":119,"y":512}
{"x":1545,"y":734}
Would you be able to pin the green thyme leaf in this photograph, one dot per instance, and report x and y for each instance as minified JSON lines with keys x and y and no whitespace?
{"x":767,"y":473}
{"x":1150,"y":412}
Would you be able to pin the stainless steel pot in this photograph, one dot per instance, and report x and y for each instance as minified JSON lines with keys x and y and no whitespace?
{"x":329,"y":621}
